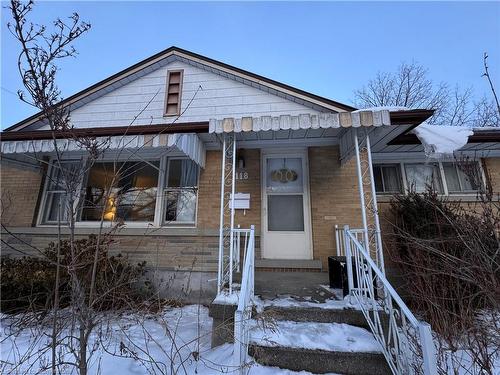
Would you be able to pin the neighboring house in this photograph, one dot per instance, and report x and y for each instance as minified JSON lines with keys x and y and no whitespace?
{"x":211,"y":151}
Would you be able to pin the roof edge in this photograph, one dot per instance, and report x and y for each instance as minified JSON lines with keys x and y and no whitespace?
{"x":187,"y":127}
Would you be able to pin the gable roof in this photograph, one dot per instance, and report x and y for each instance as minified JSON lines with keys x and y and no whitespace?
{"x":173,"y":52}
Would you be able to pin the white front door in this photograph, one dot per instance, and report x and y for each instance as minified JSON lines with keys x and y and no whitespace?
{"x":286,"y":224}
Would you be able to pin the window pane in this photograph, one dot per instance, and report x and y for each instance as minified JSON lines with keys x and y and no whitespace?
{"x":58,"y":190}
{"x":52,"y":204}
{"x":467,"y":184}
{"x":387,"y":178}
{"x":58,"y":180}
{"x":457,"y":180}
{"x":451,"y":175}
{"x":124,"y":191}
{"x":181,"y":191}
{"x":285,"y":213}
{"x":377,"y":175}
{"x":392,"y":181}
{"x":182,"y":173}
{"x":420,"y":176}
{"x":180,"y":205}
{"x":284,"y":175}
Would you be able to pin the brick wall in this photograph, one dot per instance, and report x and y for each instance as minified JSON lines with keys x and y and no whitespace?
{"x":334,"y":198}
{"x":493,"y":172}
{"x":209,"y":192}
{"x":20,"y":187}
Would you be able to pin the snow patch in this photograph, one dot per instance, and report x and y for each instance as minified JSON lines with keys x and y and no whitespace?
{"x":312,"y":335}
{"x":179,"y":337}
{"x":291,"y":301}
{"x":441,"y":141}
{"x":225,"y":298}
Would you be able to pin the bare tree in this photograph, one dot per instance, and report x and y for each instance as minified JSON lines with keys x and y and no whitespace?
{"x":411,"y":87}
{"x":96,"y":281}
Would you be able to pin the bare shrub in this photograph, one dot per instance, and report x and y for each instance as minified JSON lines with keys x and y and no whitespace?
{"x":449,"y":253}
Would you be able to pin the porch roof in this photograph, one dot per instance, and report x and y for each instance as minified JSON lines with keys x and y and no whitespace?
{"x":187,"y":144}
{"x":361,"y":118}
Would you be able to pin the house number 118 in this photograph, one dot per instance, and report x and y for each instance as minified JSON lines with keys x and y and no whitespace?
{"x":242,"y":175}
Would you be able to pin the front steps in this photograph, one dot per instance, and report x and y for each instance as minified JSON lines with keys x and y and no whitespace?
{"x":320,"y":361}
{"x":287,"y":265}
{"x":318,"y":340}
{"x":315,"y":314}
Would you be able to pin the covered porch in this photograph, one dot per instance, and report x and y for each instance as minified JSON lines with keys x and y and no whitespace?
{"x":298,"y":214}
{"x":295,"y":179}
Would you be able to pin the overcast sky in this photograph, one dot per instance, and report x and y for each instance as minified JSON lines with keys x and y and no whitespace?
{"x":329,"y":49}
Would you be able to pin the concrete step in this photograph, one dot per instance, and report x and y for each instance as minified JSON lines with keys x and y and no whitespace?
{"x":317,"y":348}
{"x":316,"y":314}
{"x":320,"y":361}
{"x":303,"y":264}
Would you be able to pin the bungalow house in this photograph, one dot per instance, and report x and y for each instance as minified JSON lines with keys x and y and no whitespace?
{"x":222,"y":163}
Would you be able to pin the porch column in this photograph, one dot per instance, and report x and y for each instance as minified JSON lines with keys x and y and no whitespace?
{"x":226,"y":225}
{"x":361,"y":191}
{"x":366,"y":177}
{"x":378,"y":234}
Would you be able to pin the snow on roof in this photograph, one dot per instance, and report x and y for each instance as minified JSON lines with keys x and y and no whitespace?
{"x":440,"y":140}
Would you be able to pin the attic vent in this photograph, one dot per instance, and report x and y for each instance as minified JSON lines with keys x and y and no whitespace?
{"x":173,"y":93}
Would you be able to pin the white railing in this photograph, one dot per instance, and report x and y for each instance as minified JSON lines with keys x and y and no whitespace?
{"x":232,"y":261}
{"x":340,"y":241}
{"x":406,"y":342}
{"x":243,"y":313}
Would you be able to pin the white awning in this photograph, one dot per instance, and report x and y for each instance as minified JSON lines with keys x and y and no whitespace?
{"x":189,"y":144}
{"x":305,"y":121}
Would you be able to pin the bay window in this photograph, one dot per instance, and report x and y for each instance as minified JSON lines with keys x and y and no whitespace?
{"x":121,"y":192}
{"x":126,"y":191}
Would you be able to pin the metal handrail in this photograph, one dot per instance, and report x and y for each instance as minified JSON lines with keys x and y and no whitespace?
{"x":243,"y":312}
{"x":402,"y":331}
{"x":339,"y":238}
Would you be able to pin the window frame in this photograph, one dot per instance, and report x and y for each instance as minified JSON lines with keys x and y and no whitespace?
{"x":442,"y":176}
{"x":40,"y":220}
{"x":159,"y":212}
{"x":399,"y":173}
{"x":459,"y":179}
{"x":167,"y":87}
{"x":163,"y":221}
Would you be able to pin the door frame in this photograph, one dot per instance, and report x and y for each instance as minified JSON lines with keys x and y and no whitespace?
{"x":286,"y":152}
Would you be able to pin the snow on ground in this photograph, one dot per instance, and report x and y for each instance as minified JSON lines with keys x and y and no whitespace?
{"x":441,"y":140}
{"x":309,"y":335}
{"x":176,"y":336}
{"x":291,"y":301}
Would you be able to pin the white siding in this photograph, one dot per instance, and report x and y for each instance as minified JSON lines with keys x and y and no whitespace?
{"x":219,"y":98}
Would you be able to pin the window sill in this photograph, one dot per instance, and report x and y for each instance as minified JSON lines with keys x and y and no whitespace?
{"x":386,"y":198}
{"x":124,"y":231}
